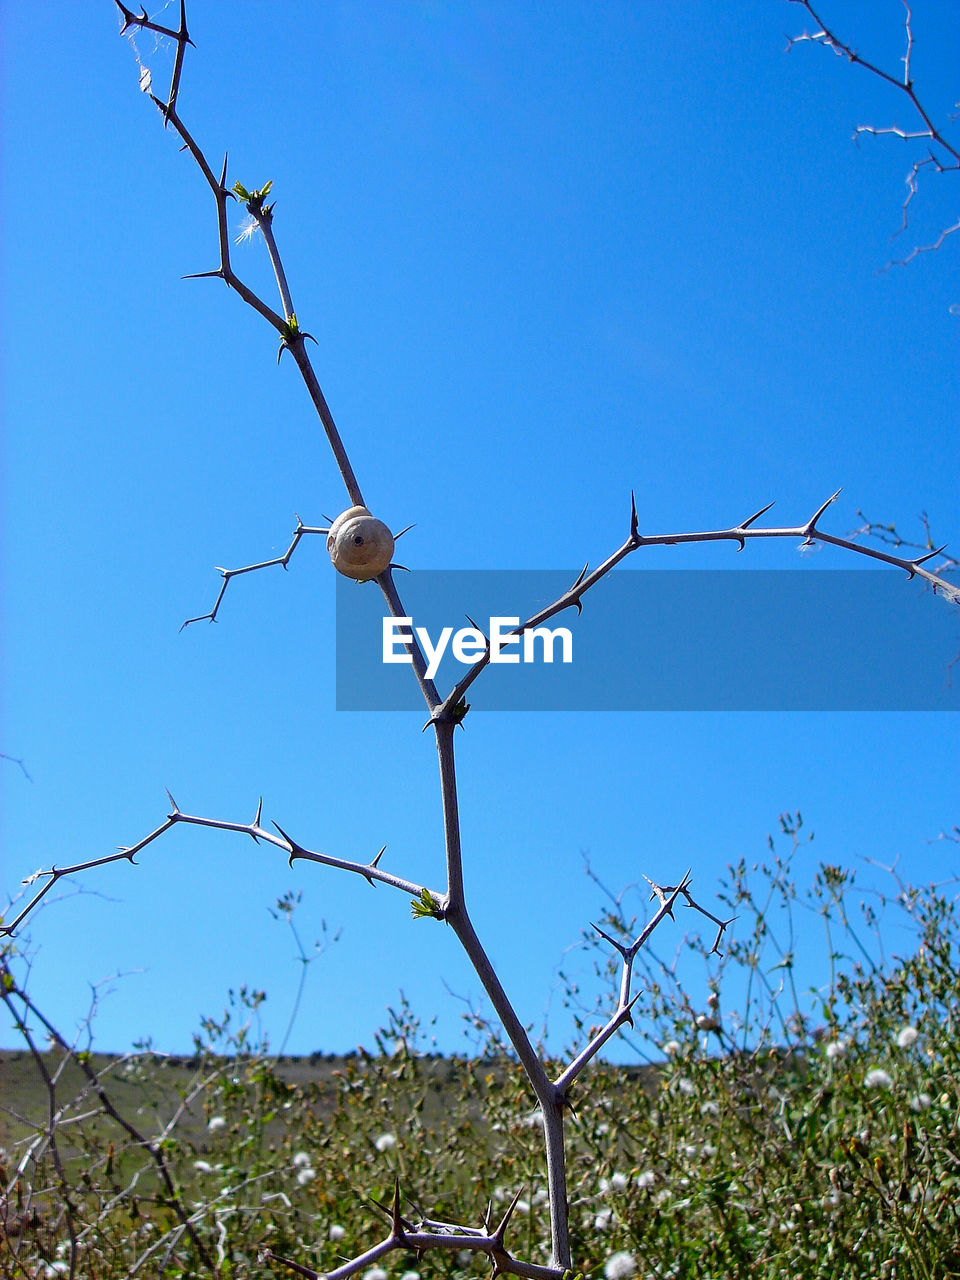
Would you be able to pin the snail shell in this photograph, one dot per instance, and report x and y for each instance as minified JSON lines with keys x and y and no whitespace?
{"x":360,"y":546}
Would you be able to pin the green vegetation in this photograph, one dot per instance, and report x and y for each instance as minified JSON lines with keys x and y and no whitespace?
{"x":800,"y":1137}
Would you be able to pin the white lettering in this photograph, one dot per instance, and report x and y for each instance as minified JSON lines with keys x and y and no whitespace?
{"x":434,"y":655}
{"x":392,"y":636}
{"x":499,"y":641}
{"x":548,"y":637}
{"x":468,"y":645}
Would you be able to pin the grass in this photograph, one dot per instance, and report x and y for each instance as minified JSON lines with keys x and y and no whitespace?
{"x":786,"y":1141}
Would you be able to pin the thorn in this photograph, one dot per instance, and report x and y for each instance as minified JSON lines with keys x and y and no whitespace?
{"x":930,"y":555}
{"x":294,"y":847}
{"x":256,"y":821}
{"x":369,"y":879}
{"x":634,"y":526}
{"x":628,"y":1013}
{"x":205,"y":275}
{"x":812,"y":524}
{"x":613,"y":942}
{"x":393,"y":565}
{"x":183,"y":23}
{"x":223,"y":173}
{"x":397,"y":1220}
{"x":476,"y":627}
{"x":403,"y":531}
{"x":173,"y":803}
{"x":745,"y":524}
{"x":581,"y":575}
{"x":498,"y":1234}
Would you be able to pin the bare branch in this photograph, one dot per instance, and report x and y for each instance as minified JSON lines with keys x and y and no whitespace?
{"x":828,"y":39}
{"x":809,"y":533}
{"x":18,"y":760}
{"x":370,"y":871}
{"x":10,"y":990}
{"x":283,"y":560}
{"x":427,"y":1235}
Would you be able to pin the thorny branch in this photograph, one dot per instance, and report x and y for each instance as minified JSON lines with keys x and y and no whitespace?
{"x":227,"y":574}
{"x":370,"y":871}
{"x":445,"y":714}
{"x":428,"y":1234}
{"x":947,"y":161}
{"x":10,"y":991}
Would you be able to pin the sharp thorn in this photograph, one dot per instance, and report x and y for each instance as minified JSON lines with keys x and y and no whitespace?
{"x":173,"y":803}
{"x":745,"y":524}
{"x":397,"y":1220}
{"x":204,"y":275}
{"x":404,"y":530}
{"x":256,"y":821}
{"x":613,"y":942}
{"x":930,"y":555}
{"x":498,"y":1234}
{"x":833,"y":497}
{"x":634,"y":526}
{"x":581,"y":575}
{"x":376,"y":860}
{"x":223,"y":172}
{"x":294,"y":847}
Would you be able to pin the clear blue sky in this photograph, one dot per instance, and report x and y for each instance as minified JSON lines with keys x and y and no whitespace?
{"x":549,"y":254}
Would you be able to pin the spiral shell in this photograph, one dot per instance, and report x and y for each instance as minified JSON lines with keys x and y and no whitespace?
{"x":360,"y":546}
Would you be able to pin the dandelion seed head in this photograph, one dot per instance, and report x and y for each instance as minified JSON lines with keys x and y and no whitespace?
{"x":620,"y":1265}
{"x":304,"y":1176}
{"x":301,"y":1160}
{"x":202,"y":1166}
{"x":671,"y":1048}
{"x":907,"y":1036}
{"x":835,"y":1049}
{"x":646,"y":1179}
{"x":877,"y":1078}
{"x":336,"y":1232}
{"x":386,"y":1142}
{"x":216,"y":1122}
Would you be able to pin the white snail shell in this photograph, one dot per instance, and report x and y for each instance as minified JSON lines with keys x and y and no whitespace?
{"x":360,"y":545}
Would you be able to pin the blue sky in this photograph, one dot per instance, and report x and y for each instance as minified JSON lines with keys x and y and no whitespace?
{"x":550,"y":254}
